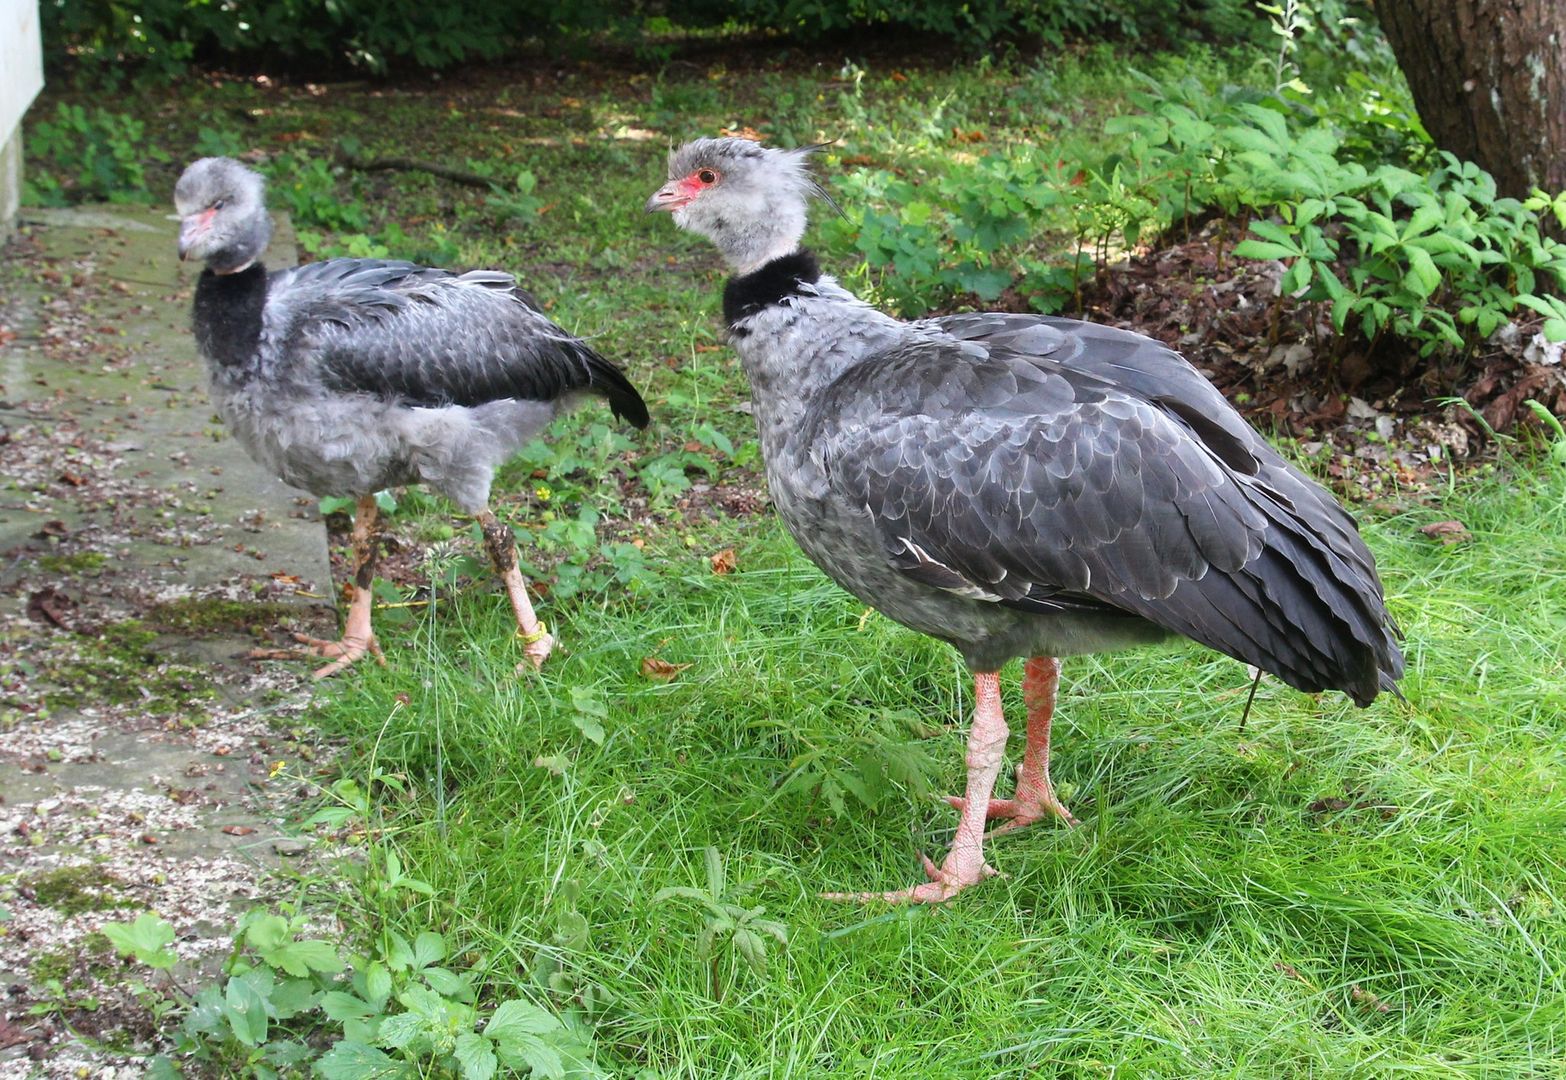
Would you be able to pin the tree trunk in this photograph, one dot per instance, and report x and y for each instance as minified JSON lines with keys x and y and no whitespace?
{"x":1489,"y":81}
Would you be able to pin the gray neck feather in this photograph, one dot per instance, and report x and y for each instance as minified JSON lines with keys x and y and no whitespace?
{"x":246,"y":247}
{"x":750,"y":237}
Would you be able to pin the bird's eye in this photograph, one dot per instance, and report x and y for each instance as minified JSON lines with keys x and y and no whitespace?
{"x":220,"y":204}
{"x":707,"y":176}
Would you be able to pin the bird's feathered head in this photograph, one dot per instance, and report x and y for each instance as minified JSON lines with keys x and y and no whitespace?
{"x":222,"y":210}
{"x":748,"y":199}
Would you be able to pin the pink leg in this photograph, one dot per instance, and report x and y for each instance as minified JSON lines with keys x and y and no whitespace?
{"x":965,"y":863}
{"x":357,"y":637}
{"x":502,"y":547}
{"x":1035,"y":797}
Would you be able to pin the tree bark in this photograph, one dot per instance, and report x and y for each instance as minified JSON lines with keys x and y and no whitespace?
{"x":1489,"y":81}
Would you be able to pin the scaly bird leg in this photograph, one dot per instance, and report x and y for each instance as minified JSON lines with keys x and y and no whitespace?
{"x":502,"y":548}
{"x":357,"y":637}
{"x":965,"y":863}
{"x":1035,"y":796}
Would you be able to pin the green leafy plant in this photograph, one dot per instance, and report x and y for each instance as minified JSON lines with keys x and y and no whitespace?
{"x":147,"y":939}
{"x":287,"y":1000}
{"x":82,"y":155}
{"x":723,"y":919}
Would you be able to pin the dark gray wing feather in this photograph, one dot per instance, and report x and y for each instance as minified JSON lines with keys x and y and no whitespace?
{"x":1078,"y":467}
{"x":430,"y":337}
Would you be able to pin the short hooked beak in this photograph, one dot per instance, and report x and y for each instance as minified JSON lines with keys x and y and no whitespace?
{"x":668,"y":198}
{"x":192,"y":229}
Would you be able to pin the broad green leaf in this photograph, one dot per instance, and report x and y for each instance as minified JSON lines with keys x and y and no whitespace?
{"x":299,"y":958}
{"x":1259,"y":249}
{"x":1424,"y":218}
{"x":399,"y":954}
{"x":590,"y":727}
{"x":401,"y":1030}
{"x":246,"y":1011}
{"x":145,"y":939}
{"x":266,"y":932}
{"x":1296,"y":277}
{"x":1422,"y":278}
{"x":350,"y":1060}
{"x":1329,"y":281}
{"x":205,"y":1016}
{"x":475,"y":1057}
{"x":537,"y":1055}
{"x":378,"y":984}
{"x":751,"y":948}
{"x":428,"y":948}
{"x":587,"y":701}
{"x":449,"y":983}
{"x":292,"y":997}
{"x":516,"y":1018}
{"x":340,"y":1006}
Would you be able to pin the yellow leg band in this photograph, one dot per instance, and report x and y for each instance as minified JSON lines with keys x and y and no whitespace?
{"x":536,"y":636}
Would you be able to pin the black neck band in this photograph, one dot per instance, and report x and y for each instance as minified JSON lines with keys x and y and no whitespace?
{"x":746,"y":294}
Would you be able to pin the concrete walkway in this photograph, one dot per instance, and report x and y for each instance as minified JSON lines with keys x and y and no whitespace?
{"x":141,"y":552}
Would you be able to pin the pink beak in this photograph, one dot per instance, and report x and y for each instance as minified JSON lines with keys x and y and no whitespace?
{"x":672,"y":196}
{"x":192,"y":229}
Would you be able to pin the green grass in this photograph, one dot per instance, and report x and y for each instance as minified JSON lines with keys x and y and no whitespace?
{"x":1329,"y":893}
{"x":1216,"y":913}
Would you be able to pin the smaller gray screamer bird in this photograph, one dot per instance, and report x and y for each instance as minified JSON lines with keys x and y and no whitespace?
{"x":1020,"y":486}
{"x":348,"y":376}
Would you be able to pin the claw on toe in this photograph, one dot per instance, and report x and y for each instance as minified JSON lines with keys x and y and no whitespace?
{"x":341,"y":653}
{"x":945,"y":882}
{"x":1019,"y":813}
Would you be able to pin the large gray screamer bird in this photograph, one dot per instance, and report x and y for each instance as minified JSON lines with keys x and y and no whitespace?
{"x":348,"y":376}
{"x":1020,"y":486}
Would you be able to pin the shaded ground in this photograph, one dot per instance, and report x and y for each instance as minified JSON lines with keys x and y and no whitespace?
{"x":1392,"y":421}
{"x":139,"y":553}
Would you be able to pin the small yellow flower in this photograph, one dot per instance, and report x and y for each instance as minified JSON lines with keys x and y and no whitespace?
{"x":543,"y":492}
{"x":277,"y":767}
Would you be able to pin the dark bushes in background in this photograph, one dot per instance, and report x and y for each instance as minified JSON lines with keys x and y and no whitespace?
{"x":309,"y":36}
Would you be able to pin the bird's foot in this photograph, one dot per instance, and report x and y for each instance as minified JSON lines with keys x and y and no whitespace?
{"x":1022,"y":811}
{"x":340,"y":653}
{"x":961,"y":869}
{"x":536,"y":647}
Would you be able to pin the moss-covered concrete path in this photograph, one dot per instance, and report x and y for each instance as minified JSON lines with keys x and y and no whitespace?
{"x":144,"y":764}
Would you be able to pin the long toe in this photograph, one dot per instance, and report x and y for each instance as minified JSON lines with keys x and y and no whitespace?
{"x":341,"y":653}
{"x":945,"y":882}
{"x":1018,"y":813}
